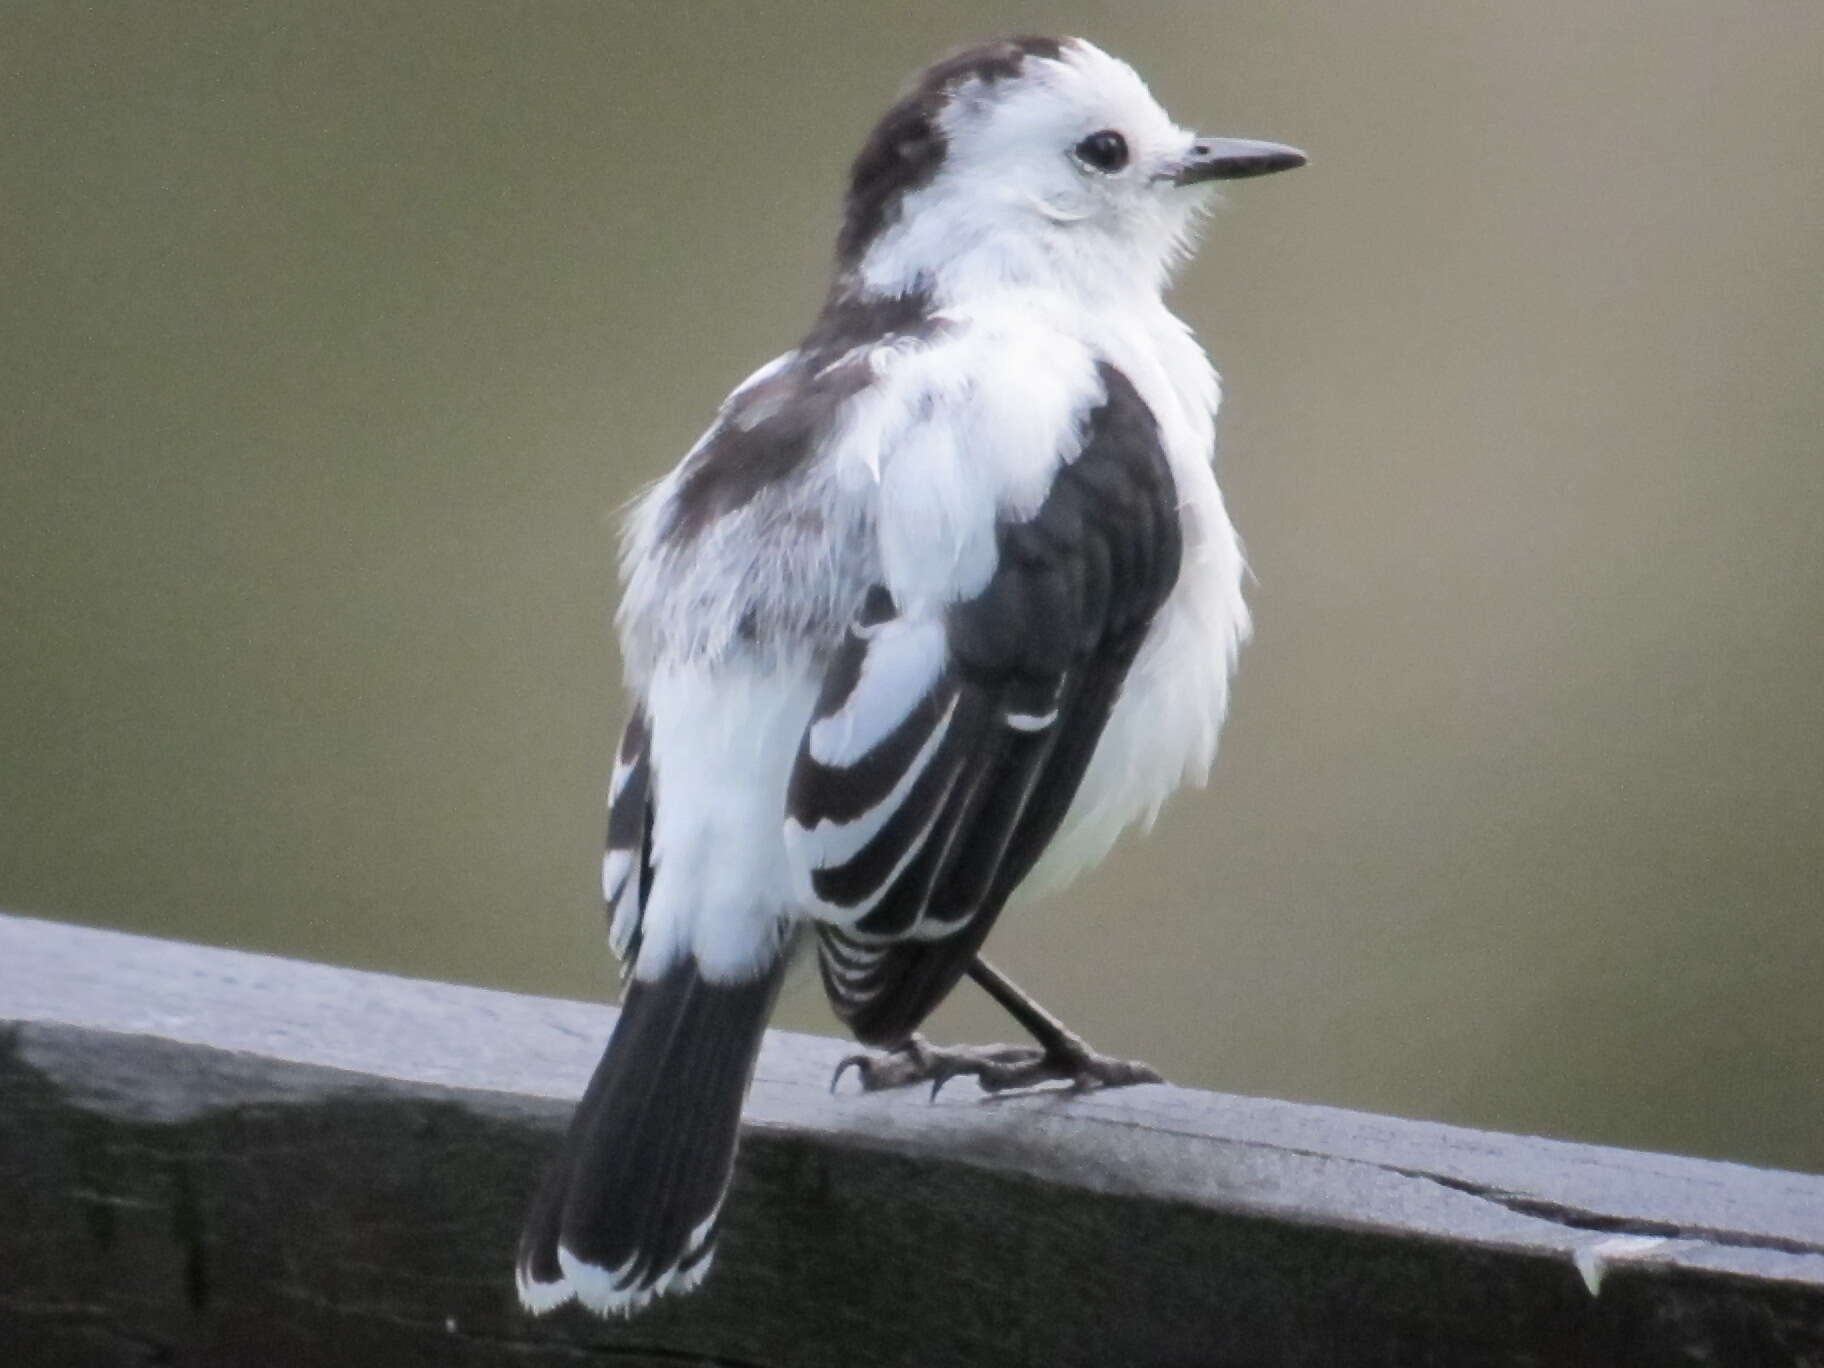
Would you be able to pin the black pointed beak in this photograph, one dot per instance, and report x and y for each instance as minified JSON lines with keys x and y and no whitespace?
{"x":1233,"y":158}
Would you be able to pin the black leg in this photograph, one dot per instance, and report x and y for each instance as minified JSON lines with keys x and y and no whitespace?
{"x":1059,"y":1056}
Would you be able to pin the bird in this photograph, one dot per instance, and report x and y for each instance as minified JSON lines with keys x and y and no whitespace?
{"x":944,"y":600}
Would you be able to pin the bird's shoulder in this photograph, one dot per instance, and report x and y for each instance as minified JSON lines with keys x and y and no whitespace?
{"x":892,"y":446}
{"x":958,"y":440}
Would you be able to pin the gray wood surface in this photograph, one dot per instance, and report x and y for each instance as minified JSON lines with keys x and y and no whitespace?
{"x":214,"y":1157}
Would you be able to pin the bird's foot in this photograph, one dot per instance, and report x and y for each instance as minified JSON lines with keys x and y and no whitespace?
{"x":996,"y":1068}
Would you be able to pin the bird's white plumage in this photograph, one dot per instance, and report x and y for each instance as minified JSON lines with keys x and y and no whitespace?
{"x":994,"y":306}
{"x":828,"y":844}
{"x":956,"y":431}
{"x":723,"y":739}
{"x":614,"y":1291}
{"x":903,"y":661}
{"x":957,"y":434}
{"x":617,"y":867}
{"x":540,"y":1297}
{"x":993,"y":216}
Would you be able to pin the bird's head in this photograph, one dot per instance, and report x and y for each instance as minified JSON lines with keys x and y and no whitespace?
{"x":1031,"y":161}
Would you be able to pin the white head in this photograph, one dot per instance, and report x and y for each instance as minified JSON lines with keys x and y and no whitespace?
{"x":1031,"y":161}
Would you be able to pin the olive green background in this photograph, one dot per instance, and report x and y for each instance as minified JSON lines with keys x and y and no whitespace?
{"x":336,"y":334}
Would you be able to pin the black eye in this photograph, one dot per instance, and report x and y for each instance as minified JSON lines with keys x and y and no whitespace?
{"x":1106,"y":151}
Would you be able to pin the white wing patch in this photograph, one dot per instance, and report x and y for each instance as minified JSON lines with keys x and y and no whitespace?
{"x":829,"y":843}
{"x":902,"y":664}
{"x":625,"y":854}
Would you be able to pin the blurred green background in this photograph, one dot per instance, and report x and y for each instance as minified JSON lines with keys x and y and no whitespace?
{"x":337,"y":333}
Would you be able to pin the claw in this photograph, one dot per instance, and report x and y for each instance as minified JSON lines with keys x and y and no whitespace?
{"x":995,"y":1068}
{"x":908,"y":1063}
{"x":937,"y":1085}
{"x":860,"y":1063}
{"x":1114,"y":1073}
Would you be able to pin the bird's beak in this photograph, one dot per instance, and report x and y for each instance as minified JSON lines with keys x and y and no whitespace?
{"x":1231,"y":159}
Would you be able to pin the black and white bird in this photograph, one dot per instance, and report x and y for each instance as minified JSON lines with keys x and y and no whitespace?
{"x":944,"y":600}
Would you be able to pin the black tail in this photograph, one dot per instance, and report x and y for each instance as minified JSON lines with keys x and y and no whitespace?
{"x":630,"y":1208}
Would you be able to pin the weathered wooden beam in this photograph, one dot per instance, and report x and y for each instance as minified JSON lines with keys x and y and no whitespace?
{"x":214,"y":1157}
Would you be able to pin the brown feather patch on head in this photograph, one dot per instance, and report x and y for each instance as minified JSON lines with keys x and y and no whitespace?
{"x":907,"y":146}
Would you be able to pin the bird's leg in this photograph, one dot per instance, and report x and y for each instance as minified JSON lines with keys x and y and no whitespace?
{"x":1060,"y":1054}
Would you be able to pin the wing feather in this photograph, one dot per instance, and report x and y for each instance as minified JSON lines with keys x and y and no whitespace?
{"x":946,"y":747}
{"x":626,"y":856}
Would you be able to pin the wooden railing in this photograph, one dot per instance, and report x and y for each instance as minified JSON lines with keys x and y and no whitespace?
{"x":210,"y":1157}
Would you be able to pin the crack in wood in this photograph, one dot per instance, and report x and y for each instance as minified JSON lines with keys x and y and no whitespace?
{"x":1581,"y":1218}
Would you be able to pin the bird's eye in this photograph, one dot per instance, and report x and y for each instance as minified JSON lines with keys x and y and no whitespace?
{"x":1105,"y":151}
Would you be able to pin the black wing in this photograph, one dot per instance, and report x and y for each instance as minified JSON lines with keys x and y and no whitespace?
{"x":627,"y":852}
{"x":945,"y":752}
